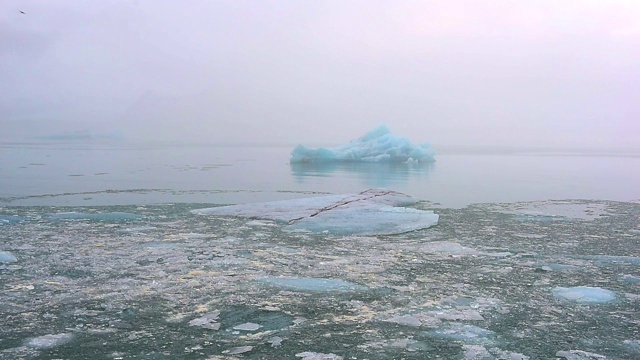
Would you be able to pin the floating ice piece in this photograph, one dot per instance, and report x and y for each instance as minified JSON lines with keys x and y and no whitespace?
{"x":308,"y":355}
{"x":467,"y":333}
{"x":238,"y":350}
{"x":477,"y":352}
{"x":585,"y":294}
{"x":49,"y":341}
{"x":10,"y":219}
{"x":447,"y":248}
{"x":371,"y":212}
{"x":408,"y":320}
{"x":632,"y":345}
{"x":247,"y":327}
{"x":275,"y":341}
{"x":634,"y":260}
{"x":553,"y":210}
{"x":314,"y":284}
{"x":378,"y":145}
{"x":207,"y":321}
{"x":107,"y":217}
{"x":7,"y":257}
{"x":626,"y":278}
{"x":579,"y":355}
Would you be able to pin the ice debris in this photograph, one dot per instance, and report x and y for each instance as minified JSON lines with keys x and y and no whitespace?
{"x":7,"y":257}
{"x":371,"y":212}
{"x":585,"y":294}
{"x":49,"y":341}
{"x":378,"y":145}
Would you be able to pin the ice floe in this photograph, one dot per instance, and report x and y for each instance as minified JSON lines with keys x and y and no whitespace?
{"x":308,"y":355}
{"x":371,"y":212}
{"x":585,"y":294}
{"x":469,"y":334}
{"x":580,"y":355}
{"x":553,"y":210}
{"x":7,"y":257}
{"x":49,"y":341}
{"x":313,"y":284}
{"x":378,"y":145}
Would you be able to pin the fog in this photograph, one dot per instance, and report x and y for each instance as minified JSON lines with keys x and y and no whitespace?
{"x":542,"y":73}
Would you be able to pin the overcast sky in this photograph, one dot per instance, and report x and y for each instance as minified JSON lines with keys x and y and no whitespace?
{"x":454,"y":72}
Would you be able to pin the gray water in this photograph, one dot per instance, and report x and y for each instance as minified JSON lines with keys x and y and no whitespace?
{"x":102,"y":173}
{"x":102,"y":258}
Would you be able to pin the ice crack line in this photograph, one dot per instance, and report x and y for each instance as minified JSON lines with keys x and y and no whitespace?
{"x":341,"y":203}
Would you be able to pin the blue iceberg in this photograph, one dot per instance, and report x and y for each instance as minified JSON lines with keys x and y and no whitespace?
{"x":378,"y":145}
{"x":371,"y":212}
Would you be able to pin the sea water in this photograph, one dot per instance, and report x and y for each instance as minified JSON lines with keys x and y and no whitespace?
{"x":106,"y":259}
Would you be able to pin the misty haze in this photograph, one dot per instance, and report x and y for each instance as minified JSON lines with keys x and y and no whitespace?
{"x":319,"y":179}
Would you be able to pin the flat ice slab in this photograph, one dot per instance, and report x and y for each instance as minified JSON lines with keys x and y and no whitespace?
{"x":378,"y":145}
{"x":371,"y":212}
{"x":7,"y":257}
{"x":313,"y":284}
{"x":585,"y":294}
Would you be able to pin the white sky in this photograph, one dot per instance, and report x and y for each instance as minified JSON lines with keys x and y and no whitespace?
{"x":456,"y":72}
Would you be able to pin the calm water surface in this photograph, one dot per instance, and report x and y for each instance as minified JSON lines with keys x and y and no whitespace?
{"x":105,"y":174}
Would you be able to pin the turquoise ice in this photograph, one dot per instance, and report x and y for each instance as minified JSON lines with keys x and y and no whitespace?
{"x":378,"y":145}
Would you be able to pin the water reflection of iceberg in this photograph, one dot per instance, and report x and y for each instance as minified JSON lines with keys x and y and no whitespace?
{"x":371,"y":174}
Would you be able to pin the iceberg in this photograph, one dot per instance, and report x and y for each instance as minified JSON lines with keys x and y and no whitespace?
{"x":371,"y":212}
{"x":378,"y":145}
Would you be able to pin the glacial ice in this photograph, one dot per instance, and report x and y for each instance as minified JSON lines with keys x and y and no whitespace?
{"x":378,"y":145}
{"x":584,"y":294}
{"x":371,"y":212}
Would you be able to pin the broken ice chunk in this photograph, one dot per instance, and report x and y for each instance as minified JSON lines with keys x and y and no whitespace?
{"x":585,"y":294}
{"x":247,"y":327}
{"x":275,"y":341}
{"x":207,"y":321}
{"x":580,"y":355}
{"x":371,"y":212}
{"x":10,"y":219}
{"x":308,"y":355}
{"x":238,"y":350}
{"x":7,"y":257}
{"x":467,"y":333}
{"x":49,"y":341}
